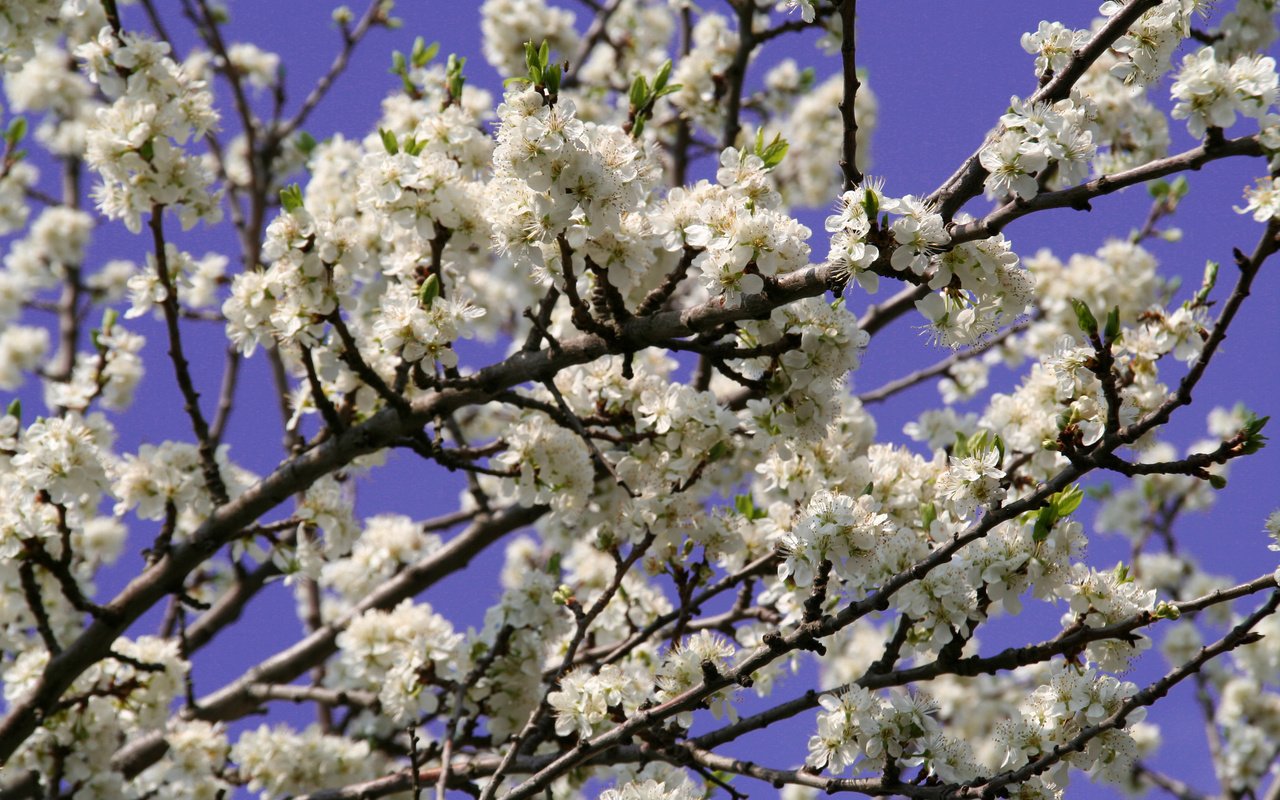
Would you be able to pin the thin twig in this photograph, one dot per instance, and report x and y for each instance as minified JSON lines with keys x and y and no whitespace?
{"x":181,"y":368}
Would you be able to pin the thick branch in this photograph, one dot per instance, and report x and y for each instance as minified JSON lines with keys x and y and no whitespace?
{"x":1078,"y":197}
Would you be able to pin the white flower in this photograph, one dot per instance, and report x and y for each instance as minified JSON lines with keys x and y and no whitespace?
{"x":649,"y":790}
{"x":807,"y":11}
{"x":1272,"y":527}
{"x":1053,"y":45}
{"x":1011,"y":164}
{"x":1263,"y":200}
{"x":918,"y":230}
{"x":684,"y":668}
{"x":971,"y":481}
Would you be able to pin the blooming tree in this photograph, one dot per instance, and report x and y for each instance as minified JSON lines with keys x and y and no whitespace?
{"x":692,"y":498}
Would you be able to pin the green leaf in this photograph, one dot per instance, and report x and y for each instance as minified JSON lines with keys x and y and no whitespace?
{"x":1043,"y":525}
{"x":305,"y":143}
{"x":1217,"y":481}
{"x":147,"y":150}
{"x":1088,"y":323}
{"x":388,"y":141}
{"x":1207,"y":283}
{"x":453,"y":72}
{"x":1158,"y":189}
{"x":398,"y":64}
{"x":639,"y":92}
{"x":664,"y":74}
{"x":551,"y":78}
{"x":1067,"y":500}
{"x":16,"y":130}
{"x":1121,"y":572}
{"x":15,"y":408}
{"x":1099,"y":492}
{"x":1179,"y":188}
{"x":430,"y":290}
{"x":1112,"y":329}
{"x":423,"y":55}
{"x":291,"y":198}
{"x":1254,"y":424}
{"x":928,"y":515}
{"x":774,"y":153}
{"x":746,"y":506}
{"x":871,"y":204}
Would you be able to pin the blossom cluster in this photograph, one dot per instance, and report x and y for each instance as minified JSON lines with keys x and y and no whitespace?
{"x":707,"y":498}
{"x":136,"y":144}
